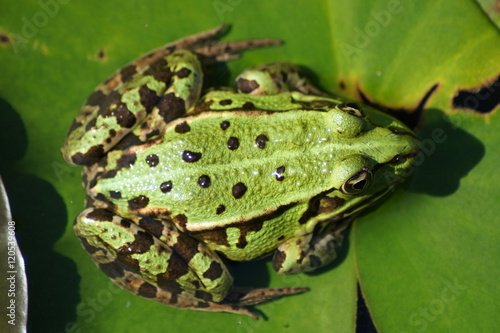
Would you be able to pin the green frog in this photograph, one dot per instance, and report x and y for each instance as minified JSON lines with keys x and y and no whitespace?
{"x":179,"y":184}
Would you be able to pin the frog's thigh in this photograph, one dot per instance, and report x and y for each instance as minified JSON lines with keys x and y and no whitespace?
{"x":274,"y":78}
{"x":308,"y":252}
{"x":183,"y":76}
{"x":160,"y":260}
{"x":152,"y":98}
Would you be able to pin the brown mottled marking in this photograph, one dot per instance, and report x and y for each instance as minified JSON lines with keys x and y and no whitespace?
{"x":181,"y":220}
{"x":128,"y":141}
{"x":126,"y":161}
{"x":147,"y":290}
{"x":171,"y":107}
{"x":89,"y":248}
{"x":174,"y":299}
{"x":246,"y":86}
{"x":124,"y":117}
{"x":108,"y":174}
{"x":328,"y":204}
{"x":219,"y":236}
{"x":148,"y":97}
{"x":314,"y":206}
{"x":200,"y":294}
{"x":141,"y":244}
{"x":224,"y":125}
{"x":126,"y":261}
{"x":250,"y":226}
{"x":182,"y":128}
{"x":138,"y":202}
{"x":127,"y":72}
{"x":153,"y":226}
{"x":278,"y":260}
{"x":177,"y":267}
{"x":125,"y":223}
{"x":104,"y":199}
{"x":112,"y":269}
{"x":101,"y":215}
{"x":183,"y":73}
{"x":159,"y":70}
{"x":202,"y":305}
{"x":96,"y":98}
{"x":168,"y":282}
{"x":91,"y":124}
{"x":91,"y":156}
{"x":186,"y":247}
{"x":214,"y":271}
{"x":215,"y":236}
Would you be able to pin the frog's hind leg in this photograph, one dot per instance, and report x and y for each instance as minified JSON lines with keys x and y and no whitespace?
{"x":155,"y":252}
{"x":134,"y":283}
{"x":151,"y":258}
{"x":142,"y":104}
{"x":275,"y":78}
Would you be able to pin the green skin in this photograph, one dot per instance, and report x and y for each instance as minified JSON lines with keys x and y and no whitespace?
{"x":175,"y":180}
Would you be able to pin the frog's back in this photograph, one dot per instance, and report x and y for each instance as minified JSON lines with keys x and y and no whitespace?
{"x":216,"y":168}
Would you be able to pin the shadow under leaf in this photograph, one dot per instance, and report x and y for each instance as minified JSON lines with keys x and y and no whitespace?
{"x":448,"y":154}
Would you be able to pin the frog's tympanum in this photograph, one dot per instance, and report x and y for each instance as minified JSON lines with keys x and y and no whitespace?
{"x":179,"y":184}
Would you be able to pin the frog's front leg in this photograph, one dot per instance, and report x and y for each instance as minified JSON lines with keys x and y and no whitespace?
{"x":150,"y":97}
{"x":154,"y":260}
{"x":308,"y":252}
{"x":275,"y":78}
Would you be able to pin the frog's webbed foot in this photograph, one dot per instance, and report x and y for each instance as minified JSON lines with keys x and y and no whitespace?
{"x":135,"y":284}
{"x":311,"y":251}
{"x":237,"y":301}
{"x":205,"y":44}
{"x":243,"y":296}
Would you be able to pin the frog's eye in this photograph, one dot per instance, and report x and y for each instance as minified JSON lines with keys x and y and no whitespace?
{"x":353,"y":109}
{"x":357,"y":183}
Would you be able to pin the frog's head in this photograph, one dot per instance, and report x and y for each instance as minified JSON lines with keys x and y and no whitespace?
{"x":381,"y":153}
